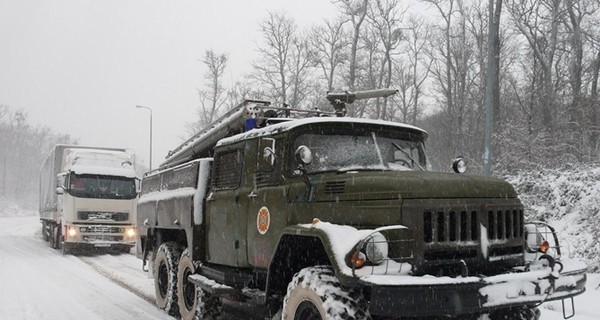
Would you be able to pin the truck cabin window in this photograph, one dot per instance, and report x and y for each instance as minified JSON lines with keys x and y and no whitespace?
{"x":101,"y":187}
{"x":356,"y":150}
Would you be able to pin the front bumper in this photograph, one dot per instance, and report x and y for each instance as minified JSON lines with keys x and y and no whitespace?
{"x":407,"y":296}
{"x":99,"y":235}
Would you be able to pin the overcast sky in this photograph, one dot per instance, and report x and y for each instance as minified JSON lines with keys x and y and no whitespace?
{"x":81,"y":66}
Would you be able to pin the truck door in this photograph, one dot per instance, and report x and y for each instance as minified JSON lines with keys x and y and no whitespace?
{"x":267,"y":214}
{"x":225,"y":215}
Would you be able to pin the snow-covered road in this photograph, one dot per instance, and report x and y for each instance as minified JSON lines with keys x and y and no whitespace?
{"x":37,"y":282}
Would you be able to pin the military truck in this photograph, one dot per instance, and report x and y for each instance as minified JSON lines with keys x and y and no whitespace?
{"x":331,"y":217}
{"x":88,"y":198}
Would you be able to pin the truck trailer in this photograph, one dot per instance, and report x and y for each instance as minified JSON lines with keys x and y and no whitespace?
{"x":330,"y":217}
{"x":88,"y":198}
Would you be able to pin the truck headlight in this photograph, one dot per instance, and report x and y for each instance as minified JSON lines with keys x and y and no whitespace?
{"x":376,"y":247}
{"x":130,"y":232}
{"x":72,"y":231}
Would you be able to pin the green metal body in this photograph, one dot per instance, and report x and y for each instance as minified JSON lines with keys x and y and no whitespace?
{"x":252,"y":231}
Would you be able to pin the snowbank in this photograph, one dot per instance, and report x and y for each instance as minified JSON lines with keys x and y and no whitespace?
{"x":11,"y":208}
{"x":570,"y":201}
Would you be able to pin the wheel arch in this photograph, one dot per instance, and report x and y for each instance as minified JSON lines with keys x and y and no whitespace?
{"x":155,"y":237}
{"x":297,"y":248}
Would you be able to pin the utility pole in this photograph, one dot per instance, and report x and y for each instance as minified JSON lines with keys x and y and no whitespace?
{"x":149,"y":109}
{"x":489,"y":110}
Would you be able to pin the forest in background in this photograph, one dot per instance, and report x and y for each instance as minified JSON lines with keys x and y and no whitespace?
{"x":545,"y":91}
{"x":23,"y":148}
{"x":547,"y":58}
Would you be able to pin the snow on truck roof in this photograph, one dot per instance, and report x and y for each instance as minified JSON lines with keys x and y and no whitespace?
{"x":295,"y":123}
{"x":101,"y":162}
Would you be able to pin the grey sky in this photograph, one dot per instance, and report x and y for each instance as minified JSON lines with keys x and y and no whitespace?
{"x":81,"y":66}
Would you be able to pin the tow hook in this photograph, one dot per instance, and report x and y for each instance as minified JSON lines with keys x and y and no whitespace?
{"x":554,"y":274}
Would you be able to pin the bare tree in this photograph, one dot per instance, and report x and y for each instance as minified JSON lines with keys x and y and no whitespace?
{"x":329,"y":43}
{"x":213,"y":96}
{"x":418,"y":36}
{"x":356,"y":12}
{"x":22,"y":151}
{"x":301,"y":59}
{"x":538,"y":22}
{"x":386,"y":17}
{"x":273,"y":69}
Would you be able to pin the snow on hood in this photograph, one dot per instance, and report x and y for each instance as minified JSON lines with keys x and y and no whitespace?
{"x":101,"y":162}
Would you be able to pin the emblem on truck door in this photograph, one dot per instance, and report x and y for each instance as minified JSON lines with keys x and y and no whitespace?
{"x":263,"y":220}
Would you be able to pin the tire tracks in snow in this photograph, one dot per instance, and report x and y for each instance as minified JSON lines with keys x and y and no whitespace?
{"x":114,"y":278}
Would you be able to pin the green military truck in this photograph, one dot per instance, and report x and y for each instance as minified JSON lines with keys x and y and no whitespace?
{"x":329,"y":217}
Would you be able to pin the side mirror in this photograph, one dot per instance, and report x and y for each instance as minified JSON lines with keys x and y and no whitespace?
{"x":304,"y":155}
{"x":60,"y":190}
{"x":459,"y":165}
{"x":269,"y":155}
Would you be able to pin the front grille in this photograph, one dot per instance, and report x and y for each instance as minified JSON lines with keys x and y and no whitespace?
{"x":453,"y":226}
{"x":450,"y":226}
{"x":102,"y":237}
{"x":335,"y":187}
{"x":101,"y":229}
{"x":505,"y":224}
{"x":102,"y":216}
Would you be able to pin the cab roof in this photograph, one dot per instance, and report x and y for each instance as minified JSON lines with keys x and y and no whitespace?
{"x":295,"y":123}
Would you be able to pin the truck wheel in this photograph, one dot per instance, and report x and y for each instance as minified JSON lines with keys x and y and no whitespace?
{"x":165,"y":276}
{"x":55,"y":237}
{"x":65,"y":248}
{"x":45,"y":232}
{"x":316,"y":293}
{"x":194,"y":303}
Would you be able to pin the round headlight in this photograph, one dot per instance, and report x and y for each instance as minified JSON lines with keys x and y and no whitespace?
{"x":376,"y":247}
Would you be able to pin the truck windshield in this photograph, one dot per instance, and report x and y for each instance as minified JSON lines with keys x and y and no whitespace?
{"x":101,"y":187}
{"x":363,"y":150}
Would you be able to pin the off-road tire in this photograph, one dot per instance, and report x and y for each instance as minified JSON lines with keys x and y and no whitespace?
{"x":165,"y":277}
{"x":316,"y":293}
{"x":194,"y":303}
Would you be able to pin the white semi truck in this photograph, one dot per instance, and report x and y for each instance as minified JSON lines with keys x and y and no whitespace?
{"x":88,"y":198}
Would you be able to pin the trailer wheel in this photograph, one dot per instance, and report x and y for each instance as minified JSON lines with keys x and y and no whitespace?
{"x":165,"y":276}
{"x":316,"y":293}
{"x":194,"y":302}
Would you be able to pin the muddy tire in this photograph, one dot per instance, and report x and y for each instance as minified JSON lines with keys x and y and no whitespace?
{"x":316,"y":293}
{"x":165,"y":276}
{"x":194,"y":303}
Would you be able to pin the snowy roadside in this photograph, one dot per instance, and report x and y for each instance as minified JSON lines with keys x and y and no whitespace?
{"x":13,"y":209}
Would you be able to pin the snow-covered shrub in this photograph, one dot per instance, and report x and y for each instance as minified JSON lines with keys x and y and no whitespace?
{"x":570,"y":201}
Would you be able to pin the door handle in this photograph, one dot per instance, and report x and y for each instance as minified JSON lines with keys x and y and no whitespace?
{"x":146,"y":223}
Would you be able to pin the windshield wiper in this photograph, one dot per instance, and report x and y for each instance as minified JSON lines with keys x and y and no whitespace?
{"x":407,"y":155}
